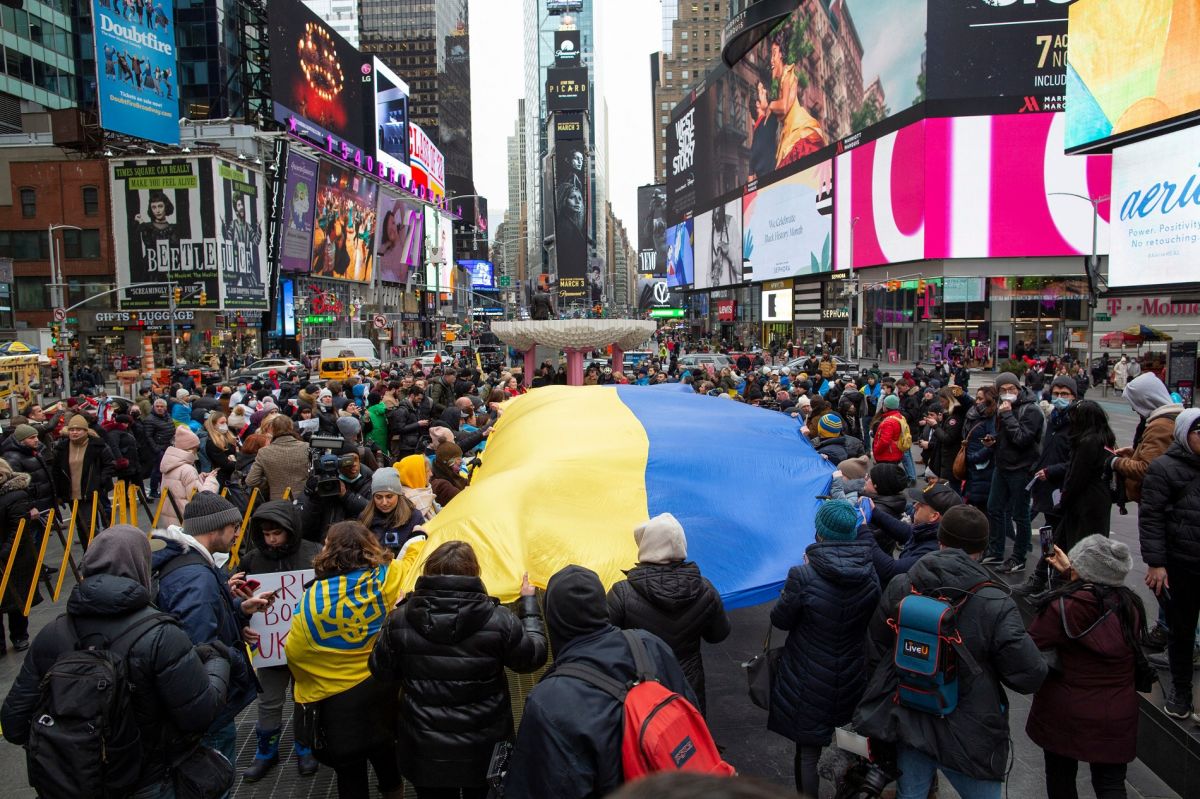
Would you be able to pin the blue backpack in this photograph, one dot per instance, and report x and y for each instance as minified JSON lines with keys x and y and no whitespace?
{"x":928,"y":649}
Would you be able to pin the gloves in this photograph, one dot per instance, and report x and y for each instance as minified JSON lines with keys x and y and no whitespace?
{"x":121,"y":463}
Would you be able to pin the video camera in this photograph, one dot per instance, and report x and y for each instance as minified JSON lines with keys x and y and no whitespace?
{"x":327,"y":464}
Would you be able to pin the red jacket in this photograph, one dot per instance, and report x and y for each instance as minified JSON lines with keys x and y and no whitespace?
{"x":1089,"y":710}
{"x":887,"y":437}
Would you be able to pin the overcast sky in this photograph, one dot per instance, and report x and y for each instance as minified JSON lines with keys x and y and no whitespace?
{"x":627,"y":31}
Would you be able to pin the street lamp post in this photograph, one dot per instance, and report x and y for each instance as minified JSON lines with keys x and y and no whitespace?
{"x":1093,"y":267}
{"x":56,"y":279}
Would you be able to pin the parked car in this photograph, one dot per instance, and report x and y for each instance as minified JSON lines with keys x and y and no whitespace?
{"x":712,"y":361}
{"x":431,"y":358}
{"x":845,"y":367}
{"x":261,"y":368}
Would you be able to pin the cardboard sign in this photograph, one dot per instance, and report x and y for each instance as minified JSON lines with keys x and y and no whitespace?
{"x":273,"y":625}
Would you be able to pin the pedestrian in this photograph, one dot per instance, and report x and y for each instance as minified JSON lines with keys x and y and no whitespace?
{"x":1019,"y":424}
{"x":1087,"y":709}
{"x":180,"y":479}
{"x":824,"y":607}
{"x":889,"y":433}
{"x":948,"y":427}
{"x":342,"y":712}
{"x":283,"y":463}
{"x":981,"y":439}
{"x":160,"y":429}
{"x":1121,"y":373}
{"x":665,"y":594}
{"x":276,"y":546}
{"x":885,"y":487}
{"x":447,"y":482}
{"x":1085,"y":505}
{"x":447,"y":646}
{"x":1157,"y":413}
{"x":916,"y":540}
{"x":569,"y":742}
{"x":221,"y":447}
{"x":970,"y":745}
{"x":83,"y":469}
{"x":178,"y":689}
{"x":16,"y":505}
{"x":1051,"y":470}
{"x":24,"y":452}
{"x":415,"y":472}
{"x":1169,"y":531}
{"x":389,"y":515}
{"x":120,"y":440}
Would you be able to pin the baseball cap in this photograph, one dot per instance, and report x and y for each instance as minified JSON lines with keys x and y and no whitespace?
{"x":938,"y":496}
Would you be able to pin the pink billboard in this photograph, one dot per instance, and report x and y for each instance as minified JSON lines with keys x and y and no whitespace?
{"x":987,"y":190}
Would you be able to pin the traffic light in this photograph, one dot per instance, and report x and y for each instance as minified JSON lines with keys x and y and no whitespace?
{"x":54,"y":335}
{"x":178,"y":294}
{"x":203,"y":297}
{"x":920,"y":286}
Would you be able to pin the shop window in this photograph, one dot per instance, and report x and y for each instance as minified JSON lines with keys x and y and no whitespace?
{"x":28,"y":203}
{"x":91,"y":200}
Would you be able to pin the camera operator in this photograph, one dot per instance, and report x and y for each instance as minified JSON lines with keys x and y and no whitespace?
{"x":327,"y":498}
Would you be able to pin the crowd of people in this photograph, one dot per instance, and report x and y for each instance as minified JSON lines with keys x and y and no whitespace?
{"x":934,"y":488}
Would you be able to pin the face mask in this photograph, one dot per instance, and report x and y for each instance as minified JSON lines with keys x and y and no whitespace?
{"x":1060,"y":403}
{"x":982,"y":406}
{"x":224,"y":428}
{"x":1008,"y":397}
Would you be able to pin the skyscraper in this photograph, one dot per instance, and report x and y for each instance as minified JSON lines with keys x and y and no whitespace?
{"x":342,"y":16}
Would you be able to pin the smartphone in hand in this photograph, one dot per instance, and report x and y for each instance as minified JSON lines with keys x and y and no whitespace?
{"x":1046,"y":534}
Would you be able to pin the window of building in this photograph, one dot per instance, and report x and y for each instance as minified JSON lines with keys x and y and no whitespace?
{"x":685,"y":74}
{"x":24,"y":245}
{"x":670,"y":75}
{"x":91,"y":200}
{"x":81,"y":243}
{"x":33,"y":294}
{"x":685,"y":48}
{"x":663,"y":119}
{"x":28,"y":203}
{"x":683,"y":35}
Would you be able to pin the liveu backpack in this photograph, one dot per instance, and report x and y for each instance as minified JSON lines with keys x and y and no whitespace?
{"x":84,"y":741}
{"x":662,"y":730}
{"x":929,"y":647}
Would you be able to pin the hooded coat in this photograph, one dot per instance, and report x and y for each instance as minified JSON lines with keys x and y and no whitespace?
{"x":980,"y":458}
{"x":1056,"y":454}
{"x":447,"y":645}
{"x":294,"y":555}
{"x":825,"y":606}
{"x":22,"y":459}
{"x":179,"y":476}
{"x":175,"y":695}
{"x":1150,"y":400}
{"x":1169,"y":515}
{"x":98,"y":468}
{"x":974,"y":739}
{"x":15,"y":504}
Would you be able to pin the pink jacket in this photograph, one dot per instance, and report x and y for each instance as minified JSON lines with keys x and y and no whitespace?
{"x":179,"y":476}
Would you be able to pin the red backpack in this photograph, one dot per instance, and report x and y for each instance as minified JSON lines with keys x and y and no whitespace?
{"x":663,"y":731}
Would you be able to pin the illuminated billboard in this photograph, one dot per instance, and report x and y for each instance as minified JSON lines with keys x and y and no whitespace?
{"x":718,"y":246}
{"x":400,"y":239}
{"x":680,"y":252}
{"x":788,"y":227}
{"x":1133,"y":68}
{"x":439,"y":264}
{"x":567,"y":49}
{"x":428,"y":163}
{"x":483,"y":274}
{"x":344,"y":234}
{"x":652,"y":230}
{"x":391,"y":119}
{"x":567,"y":89}
{"x":137,"y":80}
{"x":299,"y":199}
{"x":571,"y":219}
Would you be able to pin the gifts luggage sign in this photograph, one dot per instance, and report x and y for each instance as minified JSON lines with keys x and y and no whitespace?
{"x":273,"y":625}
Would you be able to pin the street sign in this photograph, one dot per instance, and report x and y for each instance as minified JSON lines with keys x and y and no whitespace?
{"x":666,"y":313}
{"x":380,"y":321}
{"x":60,"y":314}
{"x":1103,"y":317}
{"x":505,"y":282}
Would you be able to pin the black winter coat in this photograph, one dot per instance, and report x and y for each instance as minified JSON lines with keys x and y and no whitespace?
{"x":148,"y":456}
{"x":98,"y":469}
{"x":318,"y":513}
{"x":825,"y":606}
{"x":296,"y":554}
{"x":175,"y":696}
{"x":1019,"y":434}
{"x":981,"y":462}
{"x":676,"y":603}
{"x":127,"y":464}
{"x":404,"y":428}
{"x":833,"y":450}
{"x":447,"y":645}
{"x":161,"y":431}
{"x":14,"y":506}
{"x":34,"y":464}
{"x":1086,"y":506}
{"x":945,"y":441}
{"x":974,"y":739}
{"x":1056,"y":452}
{"x":1169,"y":514}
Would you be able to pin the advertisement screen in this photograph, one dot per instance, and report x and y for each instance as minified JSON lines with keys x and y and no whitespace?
{"x":788,"y":226}
{"x":571,"y":220}
{"x":777,"y":305}
{"x":428,"y":163}
{"x":137,"y":88}
{"x":166,"y":210}
{"x":316,"y":76}
{"x":391,"y":119}
{"x":287,"y":300}
{"x":653,"y":292}
{"x":300,"y":191}
{"x":240,"y":196}
{"x":680,"y":255}
{"x":826,"y":71}
{"x":652,"y":230}
{"x":1012,"y":52}
{"x":439,"y":272}
{"x":400,"y":239}
{"x":1156,"y":235}
{"x":566,"y":48}
{"x":345,"y":228}
{"x":567,"y":89}
{"x":1133,"y":67}
{"x":718,"y":237}
{"x":483,"y":274}
{"x":992,"y":187}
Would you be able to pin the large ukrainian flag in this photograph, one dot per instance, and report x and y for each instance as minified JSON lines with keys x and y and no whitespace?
{"x":569,"y":472}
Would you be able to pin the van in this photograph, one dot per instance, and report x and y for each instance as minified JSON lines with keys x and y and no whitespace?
{"x":349,"y":347}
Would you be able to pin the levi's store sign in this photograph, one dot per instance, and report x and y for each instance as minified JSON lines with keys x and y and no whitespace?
{"x":726,"y":310}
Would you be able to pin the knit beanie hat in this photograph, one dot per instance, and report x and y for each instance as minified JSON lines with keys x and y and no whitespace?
{"x":386,"y":479}
{"x":79,"y":421}
{"x":829,"y":426}
{"x":855,"y":468}
{"x":837,"y":520}
{"x":23,"y":431}
{"x":1067,"y":382}
{"x":349,"y":427}
{"x":323,"y":393}
{"x":891,"y":402}
{"x":889,"y":479}
{"x":660,"y":540}
{"x":208,"y":512}
{"x":186,"y":439}
{"x":1099,"y":559}
{"x":964,"y":527}
{"x":1007,"y":379}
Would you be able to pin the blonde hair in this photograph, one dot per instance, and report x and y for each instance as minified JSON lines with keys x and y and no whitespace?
{"x":223,"y":440}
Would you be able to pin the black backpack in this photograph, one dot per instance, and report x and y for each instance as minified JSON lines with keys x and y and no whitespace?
{"x":84,"y":741}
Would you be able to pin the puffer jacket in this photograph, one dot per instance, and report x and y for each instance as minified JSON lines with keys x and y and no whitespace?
{"x":1019,"y":434}
{"x":295,"y":554}
{"x":160,"y":430}
{"x":22,"y":459}
{"x":1169,"y":514}
{"x":825,"y":606}
{"x":14,"y":506}
{"x":179,"y":476}
{"x":1056,"y":454}
{"x":676,"y":603}
{"x":404,"y":428}
{"x":175,"y":696}
{"x":885,"y":443}
{"x":981,"y":462}
{"x":447,"y":645}
{"x":974,"y":739}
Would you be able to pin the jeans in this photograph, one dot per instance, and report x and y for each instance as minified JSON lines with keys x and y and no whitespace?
{"x":808,"y":781}
{"x":1008,"y":504}
{"x":1183,"y":610}
{"x":916,"y":775}
{"x":910,"y":468}
{"x":1108,"y":779}
{"x":224,"y":740}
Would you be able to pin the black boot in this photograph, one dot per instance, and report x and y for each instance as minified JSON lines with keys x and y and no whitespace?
{"x":265,"y":758}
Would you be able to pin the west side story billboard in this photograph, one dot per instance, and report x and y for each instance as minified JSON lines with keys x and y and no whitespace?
{"x":198,"y":221}
{"x":136,"y":80}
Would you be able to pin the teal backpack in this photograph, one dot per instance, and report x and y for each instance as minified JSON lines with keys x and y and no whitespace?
{"x":928,"y":649}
